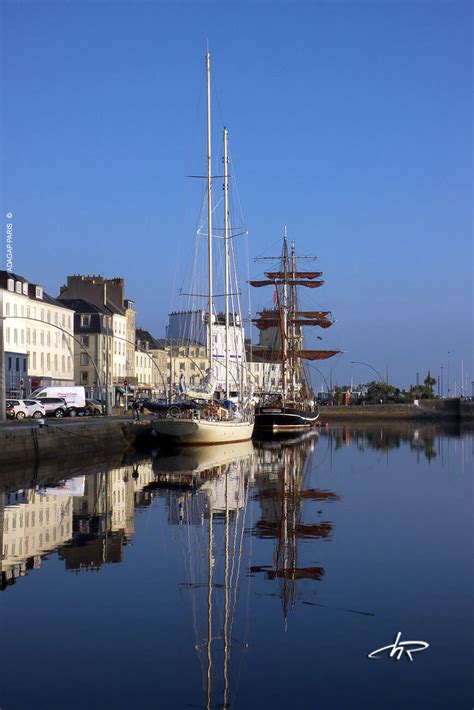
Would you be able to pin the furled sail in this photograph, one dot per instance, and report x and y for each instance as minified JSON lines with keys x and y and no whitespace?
{"x":288,"y":282}
{"x":276,"y":355}
{"x":270,"y":319}
{"x":298,"y":274}
{"x":317,"y":354}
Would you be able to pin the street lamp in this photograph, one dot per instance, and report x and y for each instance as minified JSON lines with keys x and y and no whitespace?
{"x":358,"y":362}
{"x":318,"y":370}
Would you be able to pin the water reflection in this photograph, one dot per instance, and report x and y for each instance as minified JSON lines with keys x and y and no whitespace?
{"x":254,"y":531}
{"x":87,"y":519}
{"x":424,"y":439}
{"x":283,"y":492}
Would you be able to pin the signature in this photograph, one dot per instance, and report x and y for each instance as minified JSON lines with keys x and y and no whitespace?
{"x":398,"y":648}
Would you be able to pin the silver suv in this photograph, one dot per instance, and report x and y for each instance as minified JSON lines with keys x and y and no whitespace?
{"x":54,"y":406}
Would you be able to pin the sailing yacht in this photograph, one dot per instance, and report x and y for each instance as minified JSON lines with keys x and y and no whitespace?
{"x":292,"y":408}
{"x":206,"y":419}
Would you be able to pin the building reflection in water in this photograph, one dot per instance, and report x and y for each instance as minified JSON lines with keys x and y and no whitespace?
{"x":87,"y":519}
{"x":282,"y":482}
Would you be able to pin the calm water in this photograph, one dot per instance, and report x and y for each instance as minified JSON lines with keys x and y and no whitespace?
{"x":243,"y":576}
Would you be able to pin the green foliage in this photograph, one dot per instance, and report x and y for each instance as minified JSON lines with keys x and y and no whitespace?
{"x":377,"y":390}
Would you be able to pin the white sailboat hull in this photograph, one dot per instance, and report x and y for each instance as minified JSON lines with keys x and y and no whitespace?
{"x":201,"y":432}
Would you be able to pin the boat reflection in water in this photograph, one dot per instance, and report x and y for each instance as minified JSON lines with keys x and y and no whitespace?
{"x":206,"y":488}
{"x":282,"y":477}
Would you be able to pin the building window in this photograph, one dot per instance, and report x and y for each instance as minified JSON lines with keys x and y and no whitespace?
{"x":39,"y":292}
{"x":18,"y":287}
{"x":34,"y":360}
{"x":7,"y":309}
{"x":48,"y":316}
{"x":10,"y":285}
{"x":34,"y":337}
{"x":85,"y":341}
{"x":84,"y":377}
{"x":48,"y":361}
{"x":63,"y":363}
{"x":25,"y":289}
{"x":15,"y":309}
{"x":84,"y":359}
{"x":56,"y":363}
{"x":85,"y":321}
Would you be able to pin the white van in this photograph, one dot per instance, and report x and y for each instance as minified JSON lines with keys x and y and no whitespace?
{"x":75,"y":397}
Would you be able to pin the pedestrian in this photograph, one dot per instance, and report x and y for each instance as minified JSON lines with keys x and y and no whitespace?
{"x":136,"y":409}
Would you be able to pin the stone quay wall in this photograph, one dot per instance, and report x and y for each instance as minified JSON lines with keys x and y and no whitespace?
{"x":427,"y":410}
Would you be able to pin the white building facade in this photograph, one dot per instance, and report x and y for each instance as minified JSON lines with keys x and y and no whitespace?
{"x":193,"y":326}
{"x":37,"y":337}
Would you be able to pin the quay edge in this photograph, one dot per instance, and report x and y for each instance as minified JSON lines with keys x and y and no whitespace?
{"x":68,"y":440}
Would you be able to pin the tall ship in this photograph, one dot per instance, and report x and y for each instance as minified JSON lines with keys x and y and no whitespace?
{"x":292,"y":407}
{"x":207,"y":415}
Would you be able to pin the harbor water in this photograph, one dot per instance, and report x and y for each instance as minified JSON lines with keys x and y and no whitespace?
{"x":258,"y":575}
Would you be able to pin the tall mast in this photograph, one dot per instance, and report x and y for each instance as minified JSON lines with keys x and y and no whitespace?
{"x":293,"y":316}
{"x":209,"y":205}
{"x":226,"y":246}
{"x":285,"y":308}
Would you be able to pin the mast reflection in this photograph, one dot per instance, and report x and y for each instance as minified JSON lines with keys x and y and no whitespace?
{"x":282,"y":475}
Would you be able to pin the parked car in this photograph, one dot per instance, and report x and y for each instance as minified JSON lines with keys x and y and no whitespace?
{"x":35,"y":408}
{"x":16,"y":409}
{"x":54,"y":406}
{"x":93,"y":406}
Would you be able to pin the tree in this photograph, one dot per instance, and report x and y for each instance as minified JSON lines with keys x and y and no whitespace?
{"x":430,"y":383}
{"x":378,"y":390}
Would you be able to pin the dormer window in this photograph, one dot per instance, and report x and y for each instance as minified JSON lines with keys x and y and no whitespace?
{"x":85,"y":321}
{"x":10,"y":285}
{"x":25,"y":289}
{"x":18,"y":287}
{"x":39,"y":292}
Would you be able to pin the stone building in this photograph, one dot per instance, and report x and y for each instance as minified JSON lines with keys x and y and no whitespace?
{"x":109,"y":295}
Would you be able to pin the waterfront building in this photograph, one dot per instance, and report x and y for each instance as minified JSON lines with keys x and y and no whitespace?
{"x":109,"y":295}
{"x":37,"y":335}
{"x":93,"y":346}
{"x":186,"y":361}
{"x":193,"y":326}
{"x":265,"y":376}
{"x":151,"y":363}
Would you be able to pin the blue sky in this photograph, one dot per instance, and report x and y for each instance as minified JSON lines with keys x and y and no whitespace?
{"x":349,"y":122}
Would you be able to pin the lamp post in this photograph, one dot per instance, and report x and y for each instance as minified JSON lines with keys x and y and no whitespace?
{"x":358,"y":362}
{"x":2,"y":354}
{"x":449,"y":386}
{"x":318,"y":370}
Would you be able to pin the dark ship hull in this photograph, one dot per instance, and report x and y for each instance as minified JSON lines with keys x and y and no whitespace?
{"x":271,"y":419}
